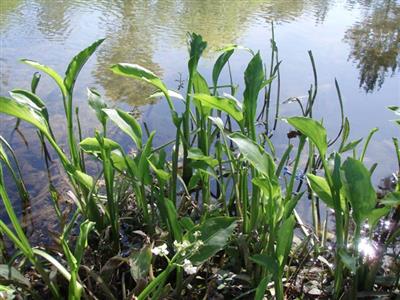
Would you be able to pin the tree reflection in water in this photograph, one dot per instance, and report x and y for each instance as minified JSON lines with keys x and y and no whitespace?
{"x":375,"y":43}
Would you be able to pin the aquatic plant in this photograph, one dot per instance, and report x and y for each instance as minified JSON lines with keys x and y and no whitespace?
{"x":145,"y":225}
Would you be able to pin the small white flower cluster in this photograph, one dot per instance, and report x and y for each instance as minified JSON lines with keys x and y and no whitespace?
{"x":188,"y":267}
{"x":160,"y":250}
{"x":182,"y":247}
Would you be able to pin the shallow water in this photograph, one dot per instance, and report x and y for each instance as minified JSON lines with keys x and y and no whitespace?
{"x":355,"y":41}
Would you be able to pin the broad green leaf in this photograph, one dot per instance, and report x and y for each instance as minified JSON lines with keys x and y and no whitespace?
{"x":197,"y":154}
{"x":260,"y":159}
{"x":220,"y":63}
{"x":196,"y":48}
{"x":313,"y":130}
{"x":26,"y":97}
{"x":358,"y":188}
{"x":127,"y":124}
{"x":76,"y":64}
{"x":171,"y":93}
{"x":200,"y":86}
{"x":24,"y":112}
{"x":159,"y":172}
{"x":140,"y":262}
{"x":215,"y":233}
{"x":218,"y":122}
{"x":98,"y":104}
{"x":226,"y":105}
{"x":254,"y":79}
{"x":285,"y":238}
{"x":83,"y":178}
{"x":266,"y":261}
{"x":92,"y":145}
{"x":320,"y":186}
{"x":139,"y":72}
{"x":49,"y":71}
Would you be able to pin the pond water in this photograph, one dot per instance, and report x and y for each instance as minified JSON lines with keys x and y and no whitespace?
{"x":355,"y":41}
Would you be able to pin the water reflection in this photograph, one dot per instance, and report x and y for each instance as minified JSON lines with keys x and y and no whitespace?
{"x":375,"y":42}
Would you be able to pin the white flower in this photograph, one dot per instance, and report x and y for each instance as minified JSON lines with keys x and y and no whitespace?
{"x":188,"y":267}
{"x":160,"y":250}
{"x":182,"y":247}
{"x":197,"y":245}
{"x":197,"y":234}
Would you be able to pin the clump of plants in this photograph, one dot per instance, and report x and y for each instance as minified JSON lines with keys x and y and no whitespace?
{"x":211,"y":214}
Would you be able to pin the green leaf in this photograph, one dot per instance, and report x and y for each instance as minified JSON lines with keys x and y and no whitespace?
{"x":260,"y":159}
{"x":24,"y":112}
{"x":215,"y":233}
{"x":350,"y":146}
{"x":171,"y":94}
{"x":320,"y":186}
{"x":127,"y":124}
{"x":254,"y":79}
{"x":159,"y":172}
{"x":197,"y":154}
{"x":313,"y":130}
{"x":82,"y":242}
{"x":284,"y":240}
{"x":76,"y":64}
{"x":358,"y":188}
{"x":224,"y":104}
{"x":139,"y":262}
{"x":196,"y":48}
{"x":98,"y":104}
{"x":139,"y":72}
{"x":49,"y":71}
{"x":92,"y":145}
{"x":220,"y":63}
{"x":266,"y":261}
{"x":262,"y":286}
{"x":173,"y":222}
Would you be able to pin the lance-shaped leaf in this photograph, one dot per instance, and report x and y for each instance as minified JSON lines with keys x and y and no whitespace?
{"x":358,"y":188}
{"x":196,"y":48}
{"x":98,"y":104}
{"x":77,"y":63}
{"x":26,"y":97}
{"x":254,"y":81}
{"x":261,"y":160}
{"x":24,"y":112}
{"x":92,"y":145}
{"x":139,"y":72}
{"x":320,"y":186}
{"x":214,"y":233}
{"x":220,"y":63}
{"x":127,"y":124}
{"x":313,"y":130}
{"x":221,"y":103}
{"x":49,"y":71}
